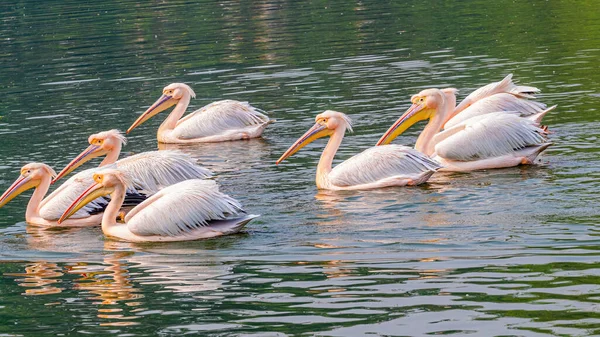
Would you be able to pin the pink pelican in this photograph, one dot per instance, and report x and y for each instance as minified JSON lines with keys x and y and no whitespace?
{"x":217,"y":122}
{"x":484,"y":141}
{"x":190,"y":210}
{"x":390,"y":165}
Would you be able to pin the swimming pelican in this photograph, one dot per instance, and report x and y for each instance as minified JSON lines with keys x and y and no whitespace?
{"x":153,"y":169}
{"x":216,"y":122}
{"x":391,"y":165}
{"x":42,"y":212}
{"x":491,"y":140}
{"x":189,"y":210}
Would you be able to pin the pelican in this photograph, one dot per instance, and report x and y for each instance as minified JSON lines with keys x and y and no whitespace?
{"x":216,"y":122}
{"x":491,"y":140}
{"x":153,"y":169}
{"x":42,"y":212}
{"x":391,"y":165}
{"x":189,"y":210}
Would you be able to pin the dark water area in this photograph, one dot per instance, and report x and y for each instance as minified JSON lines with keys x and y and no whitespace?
{"x":509,"y":252}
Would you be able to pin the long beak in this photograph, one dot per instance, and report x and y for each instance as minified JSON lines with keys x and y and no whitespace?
{"x":20,"y":185}
{"x":90,"y":194}
{"x":415,"y":113}
{"x":163,"y":103}
{"x":314,"y":133}
{"x":91,"y":152}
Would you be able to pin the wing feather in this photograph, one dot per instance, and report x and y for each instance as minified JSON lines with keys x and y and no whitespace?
{"x":506,"y":85}
{"x":181,"y":208}
{"x":489,"y":136}
{"x":380,"y":162}
{"x":58,"y":201}
{"x":496,"y":103}
{"x":218,"y":117}
{"x":154,"y":170}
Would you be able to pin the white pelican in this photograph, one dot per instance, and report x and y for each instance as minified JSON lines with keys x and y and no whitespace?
{"x":189,"y":210}
{"x":391,"y":165}
{"x":216,"y":122}
{"x":43,"y":212}
{"x":153,"y":169}
{"x":491,"y":140}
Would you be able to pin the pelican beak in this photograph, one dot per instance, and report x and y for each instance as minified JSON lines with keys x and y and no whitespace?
{"x":91,"y":152}
{"x":20,"y":185}
{"x":91,"y":193}
{"x":314,"y":133}
{"x":163,"y":103}
{"x":416,"y":113}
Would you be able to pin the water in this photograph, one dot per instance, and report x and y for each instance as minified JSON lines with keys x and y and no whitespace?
{"x":511,"y":252}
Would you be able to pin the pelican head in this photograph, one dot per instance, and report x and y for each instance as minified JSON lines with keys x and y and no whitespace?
{"x":31,"y":176}
{"x":105,"y":183}
{"x":101,"y":144}
{"x":327,"y":123}
{"x":425,"y":105}
{"x":172,"y":94}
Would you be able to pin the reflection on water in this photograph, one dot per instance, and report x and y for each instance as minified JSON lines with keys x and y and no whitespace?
{"x":491,"y":253}
{"x":40,"y":278}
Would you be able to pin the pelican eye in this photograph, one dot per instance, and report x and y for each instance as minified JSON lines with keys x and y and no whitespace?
{"x":98,"y":178}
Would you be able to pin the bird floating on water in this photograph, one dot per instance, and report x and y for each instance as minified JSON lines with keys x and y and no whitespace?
{"x":152,"y":169}
{"x":46,"y":211}
{"x":382,"y":166}
{"x":189,"y":210}
{"x":216,"y":122}
{"x":483,"y":136}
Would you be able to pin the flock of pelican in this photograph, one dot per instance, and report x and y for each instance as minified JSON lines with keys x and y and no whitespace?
{"x":166,"y":196}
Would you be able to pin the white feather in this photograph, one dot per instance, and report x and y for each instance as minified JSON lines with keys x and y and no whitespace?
{"x":506,"y":85}
{"x":217,"y":118}
{"x":487,"y":136}
{"x":151,"y":171}
{"x":381,"y":162}
{"x":52,"y":207}
{"x":181,"y":208}
{"x":495,"y":103}
{"x":157,"y":169}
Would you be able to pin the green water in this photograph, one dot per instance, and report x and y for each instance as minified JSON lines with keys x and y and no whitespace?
{"x":511,"y":252}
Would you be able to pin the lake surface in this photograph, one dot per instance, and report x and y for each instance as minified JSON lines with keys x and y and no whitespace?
{"x":510,"y":252}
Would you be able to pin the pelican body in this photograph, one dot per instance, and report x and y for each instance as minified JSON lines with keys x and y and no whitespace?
{"x":152,"y":169}
{"x":383,"y":166}
{"x":481,"y":139}
{"x":189,"y":210}
{"x":216,"y":122}
{"x":46,"y":211}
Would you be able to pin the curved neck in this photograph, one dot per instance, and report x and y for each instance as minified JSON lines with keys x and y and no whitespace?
{"x":445,"y":109}
{"x":109,"y":218}
{"x":33,"y":207}
{"x":171,"y":122}
{"x":329,"y":152}
{"x":112,"y":156}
